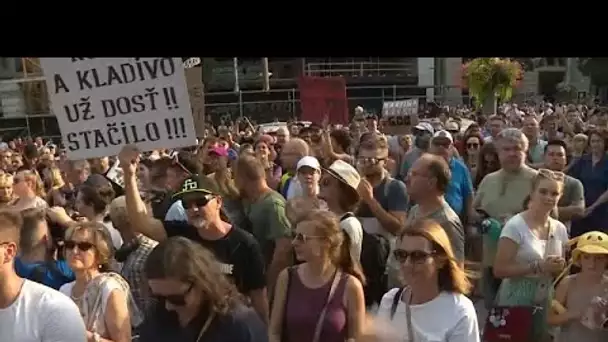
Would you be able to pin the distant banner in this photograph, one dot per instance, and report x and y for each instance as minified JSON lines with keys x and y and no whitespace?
{"x":196,"y":91}
{"x":323,"y":96}
{"x":400,"y":108}
{"x":102,"y":104}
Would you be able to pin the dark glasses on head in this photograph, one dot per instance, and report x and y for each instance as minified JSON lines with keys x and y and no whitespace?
{"x":82,"y":246}
{"x":300,"y":237}
{"x":176,"y":299}
{"x":198,"y":202}
{"x":416,"y":257}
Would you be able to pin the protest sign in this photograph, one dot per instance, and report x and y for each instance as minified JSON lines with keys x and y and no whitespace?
{"x":102,"y":104}
{"x":196,"y":91}
{"x":322,"y":97}
{"x":400,"y":107}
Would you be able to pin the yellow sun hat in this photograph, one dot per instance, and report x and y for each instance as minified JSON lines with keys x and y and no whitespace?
{"x":591,"y":243}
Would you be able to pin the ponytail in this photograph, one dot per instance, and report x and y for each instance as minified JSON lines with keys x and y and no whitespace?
{"x":346,"y":262}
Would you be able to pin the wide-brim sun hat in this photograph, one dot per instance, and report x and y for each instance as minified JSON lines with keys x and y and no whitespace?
{"x":345,"y":173}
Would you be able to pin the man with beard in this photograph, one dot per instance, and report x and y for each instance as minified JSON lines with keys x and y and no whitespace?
{"x":423,"y":132}
{"x":384,"y":200}
{"x":572,"y":203}
{"x":236,"y":249}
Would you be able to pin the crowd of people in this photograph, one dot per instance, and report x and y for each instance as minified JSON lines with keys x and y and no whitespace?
{"x":319,"y":233}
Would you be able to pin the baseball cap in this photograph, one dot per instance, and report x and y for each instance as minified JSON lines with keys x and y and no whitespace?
{"x":195,"y":184}
{"x":220,"y":151}
{"x":451,"y":126}
{"x":425,"y":126}
{"x":443,"y":134}
{"x":309,"y":161}
{"x":345,"y":173}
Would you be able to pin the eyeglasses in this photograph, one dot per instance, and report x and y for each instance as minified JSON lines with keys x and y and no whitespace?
{"x":303,"y":238}
{"x":82,"y":246}
{"x":197,"y":202}
{"x":369,"y":161}
{"x":472,"y":145}
{"x":416,"y":257}
{"x":176,"y":299}
{"x":550,"y":174}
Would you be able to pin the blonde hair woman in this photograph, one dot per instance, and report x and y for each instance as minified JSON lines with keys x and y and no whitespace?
{"x":103,"y":297}
{"x":531,"y":251}
{"x":28,"y":187}
{"x":322,"y":298}
{"x":433,"y":306}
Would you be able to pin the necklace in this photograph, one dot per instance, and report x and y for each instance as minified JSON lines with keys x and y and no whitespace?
{"x":205,"y":326}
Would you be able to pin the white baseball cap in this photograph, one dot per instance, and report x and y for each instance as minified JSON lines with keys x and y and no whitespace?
{"x":309,"y":161}
{"x":444,"y":134}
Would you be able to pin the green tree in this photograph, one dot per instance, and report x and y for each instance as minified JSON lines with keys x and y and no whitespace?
{"x":596,"y":69}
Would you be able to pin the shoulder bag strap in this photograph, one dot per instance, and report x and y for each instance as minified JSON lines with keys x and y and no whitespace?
{"x":321,"y":320}
{"x":396,"y":300}
{"x":408,"y":316}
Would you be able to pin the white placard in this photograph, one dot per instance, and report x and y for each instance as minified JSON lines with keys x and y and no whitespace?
{"x":400,"y":108}
{"x":116,"y":175}
{"x":102,"y":104}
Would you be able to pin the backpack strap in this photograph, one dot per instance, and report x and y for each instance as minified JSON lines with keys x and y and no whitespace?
{"x":396,"y":300}
{"x":347,"y":215}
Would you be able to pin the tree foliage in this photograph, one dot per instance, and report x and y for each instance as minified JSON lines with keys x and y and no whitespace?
{"x":596,"y":69}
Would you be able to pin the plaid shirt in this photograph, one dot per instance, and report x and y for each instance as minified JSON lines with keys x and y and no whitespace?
{"x":133,"y":271}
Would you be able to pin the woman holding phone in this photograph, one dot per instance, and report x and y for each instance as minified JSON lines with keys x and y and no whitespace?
{"x":531,"y":251}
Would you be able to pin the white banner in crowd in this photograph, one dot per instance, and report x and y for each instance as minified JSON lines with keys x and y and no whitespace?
{"x":400,"y":108}
{"x":102,"y":104}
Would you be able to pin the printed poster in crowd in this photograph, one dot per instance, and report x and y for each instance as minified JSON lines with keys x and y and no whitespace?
{"x":102,"y":104}
{"x":196,"y":91}
{"x":399,"y":115}
{"x":322,"y":97}
{"x":400,"y":108}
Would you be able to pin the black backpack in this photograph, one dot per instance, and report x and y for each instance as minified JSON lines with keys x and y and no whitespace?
{"x":375,"y":250}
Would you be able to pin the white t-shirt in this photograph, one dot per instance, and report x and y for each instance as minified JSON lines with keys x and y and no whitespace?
{"x":352,"y":227}
{"x":449,"y":317}
{"x":531,"y":248}
{"x":106,"y":290}
{"x":114,"y":234}
{"x":41,"y":314}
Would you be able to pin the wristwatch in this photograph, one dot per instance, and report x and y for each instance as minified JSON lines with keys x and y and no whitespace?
{"x":96,"y":337}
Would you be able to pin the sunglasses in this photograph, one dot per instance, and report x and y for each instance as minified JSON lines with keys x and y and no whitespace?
{"x":82,"y":246}
{"x":550,"y":174}
{"x":473,"y":145}
{"x":303,"y":238}
{"x":416,"y":257}
{"x":176,"y":299}
{"x":369,"y":161}
{"x":197,"y":202}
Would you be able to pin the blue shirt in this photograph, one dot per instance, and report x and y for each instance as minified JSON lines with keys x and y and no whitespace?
{"x":595,"y":183}
{"x":51,"y":279}
{"x":460,"y":187}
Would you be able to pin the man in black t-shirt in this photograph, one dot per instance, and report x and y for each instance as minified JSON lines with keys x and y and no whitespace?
{"x":236,"y":249}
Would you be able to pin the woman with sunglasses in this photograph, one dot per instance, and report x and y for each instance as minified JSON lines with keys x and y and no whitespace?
{"x":197,"y":302}
{"x":433,"y":306}
{"x":322,"y":298}
{"x":470,"y":152}
{"x":103,"y":297}
{"x":531,"y":251}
